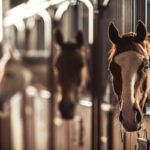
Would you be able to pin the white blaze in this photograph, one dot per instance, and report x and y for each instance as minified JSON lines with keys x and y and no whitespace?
{"x":129,"y":62}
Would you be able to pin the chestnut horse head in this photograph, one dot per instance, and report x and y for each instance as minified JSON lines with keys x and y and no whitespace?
{"x":129,"y":66}
{"x":72,"y":72}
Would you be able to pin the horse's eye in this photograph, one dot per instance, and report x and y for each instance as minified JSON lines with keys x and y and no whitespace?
{"x":9,"y":74}
{"x":146,"y":67}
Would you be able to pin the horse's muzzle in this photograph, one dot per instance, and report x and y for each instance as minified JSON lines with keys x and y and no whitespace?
{"x":67,"y":109}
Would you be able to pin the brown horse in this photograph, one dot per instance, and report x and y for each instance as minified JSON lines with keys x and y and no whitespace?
{"x":129,"y":66}
{"x":71,"y":72}
{"x":18,"y":71}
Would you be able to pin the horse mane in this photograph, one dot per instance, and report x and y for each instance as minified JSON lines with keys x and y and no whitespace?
{"x":148,"y":44}
{"x":112,"y":52}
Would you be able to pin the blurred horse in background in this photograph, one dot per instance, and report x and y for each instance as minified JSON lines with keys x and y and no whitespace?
{"x":72,"y":72}
{"x":19,"y":70}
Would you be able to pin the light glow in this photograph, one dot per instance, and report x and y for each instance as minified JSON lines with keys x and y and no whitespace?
{"x":106,"y":107}
{"x":31,"y":91}
{"x":86,"y":103}
{"x":45,"y":94}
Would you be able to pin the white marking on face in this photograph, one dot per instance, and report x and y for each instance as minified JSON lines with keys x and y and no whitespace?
{"x":129,"y":62}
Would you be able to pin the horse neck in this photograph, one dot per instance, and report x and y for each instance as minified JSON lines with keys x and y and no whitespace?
{"x":39,"y":73}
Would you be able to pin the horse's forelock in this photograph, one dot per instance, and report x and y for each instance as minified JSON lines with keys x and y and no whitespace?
{"x":128,"y":43}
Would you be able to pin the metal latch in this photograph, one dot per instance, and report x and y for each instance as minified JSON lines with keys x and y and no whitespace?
{"x":143,"y":144}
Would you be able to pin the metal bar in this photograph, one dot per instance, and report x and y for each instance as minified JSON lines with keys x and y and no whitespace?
{"x":20,"y":26}
{"x":134,"y":15}
{"x":127,"y":15}
{"x":47,"y":28}
{"x":123,"y":16}
{"x":141,"y":11}
{"x":95,"y":125}
{"x":146,"y":3}
{"x":1,"y":20}
{"x":90,"y":7}
{"x":96,"y":99}
{"x":51,"y":88}
{"x":27,"y":10}
{"x":61,"y":10}
{"x":109,"y":109}
{"x":64,"y":7}
{"x":110,"y":130}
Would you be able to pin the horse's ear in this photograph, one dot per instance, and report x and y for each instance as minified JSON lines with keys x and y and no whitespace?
{"x":59,"y":37}
{"x":141,"y":31}
{"x":113,"y":33}
{"x":79,"y":38}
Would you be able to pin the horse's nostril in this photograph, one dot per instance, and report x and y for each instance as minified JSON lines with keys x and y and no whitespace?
{"x":138,"y":116}
{"x":120,"y":116}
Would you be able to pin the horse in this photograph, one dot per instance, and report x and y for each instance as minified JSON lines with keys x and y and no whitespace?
{"x":20,"y":70}
{"x":129,"y":66}
{"x":71,"y":71}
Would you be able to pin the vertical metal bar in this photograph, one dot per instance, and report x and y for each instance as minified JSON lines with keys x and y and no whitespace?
{"x":24,"y":121}
{"x":133,"y":15}
{"x":20,"y":26}
{"x":141,"y":11}
{"x":110,"y":130}
{"x":1,"y":133}
{"x":80,"y":15}
{"x":47,"y":28}
{"x":1,"y":20}
{"x":123,"y":16}
{"x":89,"y":5}
{"x":146,"y":3}
{"x":95,"y":125}
{"x":127,"y":15}
{"x":96,"y":85}
{"x":51,"y":87}
{"x":1,"y":26}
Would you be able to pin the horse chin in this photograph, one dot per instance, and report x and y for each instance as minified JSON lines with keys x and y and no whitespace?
{"x":67,"y":116}
{"x":132,"y":128}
